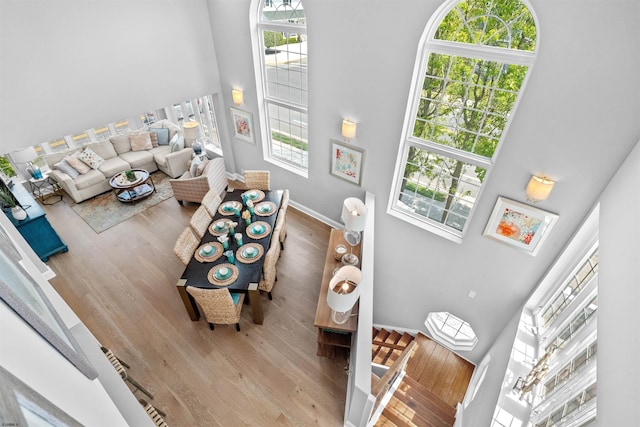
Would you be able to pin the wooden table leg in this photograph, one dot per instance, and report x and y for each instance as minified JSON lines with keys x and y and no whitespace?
{"x":189,"y":304}
{"x":256,"y":303}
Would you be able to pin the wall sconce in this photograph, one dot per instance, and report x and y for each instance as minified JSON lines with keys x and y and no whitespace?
{"x":348,"y":129}
{"x":343,"y":293}
{"x":238,"y":97}
{"x":538,"y":188}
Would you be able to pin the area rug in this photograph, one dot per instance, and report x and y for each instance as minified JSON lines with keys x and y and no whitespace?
{"x":104,"y":211}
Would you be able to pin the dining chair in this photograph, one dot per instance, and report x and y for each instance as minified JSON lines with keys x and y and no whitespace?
{"x":186,"y":245}
{"x":200,"y":220}
{"x":211,"y":201}
{"x":121,"y":368}
{"x":257,"y":179}
{"x":218,"y":305}
{"x":269,"y":273}
{"x":280,"y":226}
{"x":156,"y":415}
{"x":283,"y":211}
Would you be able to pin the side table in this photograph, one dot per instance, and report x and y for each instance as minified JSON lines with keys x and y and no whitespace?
{"x":46,"y":190}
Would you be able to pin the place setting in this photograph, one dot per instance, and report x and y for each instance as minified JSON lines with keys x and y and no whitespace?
{"x":221,"y":227}
{"x":258,"y":230}
{"x":208,"y":252}
{"x":249,"y":253}
{"x":223,"y":274}
{"x":265,"y":208}
{"x":230,"y":207}
{"x":252,"y":195}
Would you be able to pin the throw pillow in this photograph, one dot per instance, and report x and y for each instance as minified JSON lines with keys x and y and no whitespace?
{"x":91,"y":158}
{"x":178,"y":144}
{"x":65,"y":167}
{"x":163,"y":135}
{"x":154,"y":139}
{"x":140,"y":141}
{"x":203,"y":164}
{"x":77,"y":164}
{"x":193,"y":169}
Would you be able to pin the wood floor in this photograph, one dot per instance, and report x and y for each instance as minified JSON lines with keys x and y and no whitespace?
{"x":121,"y":283}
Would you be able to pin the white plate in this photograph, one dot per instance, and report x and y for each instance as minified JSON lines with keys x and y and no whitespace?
{"x":250,"y":252}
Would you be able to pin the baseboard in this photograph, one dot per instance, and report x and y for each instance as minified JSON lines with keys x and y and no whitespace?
{"x":315,"y":215}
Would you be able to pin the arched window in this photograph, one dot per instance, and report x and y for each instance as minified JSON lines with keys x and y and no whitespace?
{"x":472,"y":68}
{"x":282,"y":54}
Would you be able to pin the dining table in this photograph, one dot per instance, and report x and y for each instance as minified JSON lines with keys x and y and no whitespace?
{"x":211,"y":268}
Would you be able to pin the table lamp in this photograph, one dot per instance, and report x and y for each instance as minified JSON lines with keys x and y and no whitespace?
{"x":27,"y":156}
{"x":343,"y":293}
{"x":354,"y":216}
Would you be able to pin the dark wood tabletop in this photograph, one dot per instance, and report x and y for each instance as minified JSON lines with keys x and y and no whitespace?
{"x":249,"y":274}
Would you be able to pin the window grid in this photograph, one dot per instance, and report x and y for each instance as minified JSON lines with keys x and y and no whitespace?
{"x":470,"y":83}
{"x":571,"y":369}
{"x":571,"y":290}
{"x":282,"y":39}
{"x":571,"y":408}
{"x":580,"y":320}
{"x":452,"y":329}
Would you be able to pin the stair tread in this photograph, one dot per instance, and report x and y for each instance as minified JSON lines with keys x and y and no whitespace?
{"x":416,"y":392}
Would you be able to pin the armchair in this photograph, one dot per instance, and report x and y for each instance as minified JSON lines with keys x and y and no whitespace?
{"x":188,"y":188}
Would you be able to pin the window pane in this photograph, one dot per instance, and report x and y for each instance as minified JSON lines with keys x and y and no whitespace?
{"x":286,"y":68}
{"x":439,"y":188}
{"x":288,"y":135}
{"x":496,"y":23}
{"x":465,"y":102}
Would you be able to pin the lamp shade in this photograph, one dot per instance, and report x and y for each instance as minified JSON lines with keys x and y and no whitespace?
{"x":25,"y":155}
{"x":354,"y":214}
{"x":538,"y":188}
{"x":343,"y":289}
{"x":348,"y":129}
{"x":238,"y":97}
{"x":192,"y":131}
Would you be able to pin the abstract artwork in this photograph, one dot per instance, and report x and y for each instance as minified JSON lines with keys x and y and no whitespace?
{"x":242,"y":125}
{"x":517,"y":224}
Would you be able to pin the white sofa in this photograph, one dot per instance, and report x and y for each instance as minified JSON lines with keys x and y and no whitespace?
{"x":118,"y":156}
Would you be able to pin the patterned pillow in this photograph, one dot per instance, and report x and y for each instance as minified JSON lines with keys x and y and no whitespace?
{"x":201,"y":167}
{"x":77,"y":164}
{"x":91,"y":158}
{"x":154,"y":139}
{"x":65,"y":167}
{"x":163,"y":135}
{"x":140,"y":141}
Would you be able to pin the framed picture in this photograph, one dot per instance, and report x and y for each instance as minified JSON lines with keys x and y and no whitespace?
{"x":242,"y":125}
{"x":519,"y":225}
{"x":346,"y":161}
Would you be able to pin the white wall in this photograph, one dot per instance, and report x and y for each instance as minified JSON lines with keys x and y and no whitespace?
{"x":361,"y":60}
{"x":619,"y":298}
{"x":70,"y":65}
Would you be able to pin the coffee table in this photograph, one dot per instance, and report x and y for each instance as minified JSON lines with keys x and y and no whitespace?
{"x":130,"y":191}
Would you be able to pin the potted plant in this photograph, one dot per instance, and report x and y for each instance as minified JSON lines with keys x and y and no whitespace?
{"x":130,"y":175}
{"x":8,"y":202}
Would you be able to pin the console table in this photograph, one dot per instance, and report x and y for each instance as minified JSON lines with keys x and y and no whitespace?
{"x":35,"y":228}
{"x":334,"y":340}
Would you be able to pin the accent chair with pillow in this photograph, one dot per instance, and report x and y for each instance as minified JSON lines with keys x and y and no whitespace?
{"x":192,"y":188}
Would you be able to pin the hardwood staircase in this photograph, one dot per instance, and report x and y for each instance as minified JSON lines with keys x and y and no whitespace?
{"x":435,"y":380}
{"x":387,"y":346}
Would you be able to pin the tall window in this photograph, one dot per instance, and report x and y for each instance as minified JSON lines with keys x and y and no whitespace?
{"x":282,"y":36}
{"x":473,"y":67}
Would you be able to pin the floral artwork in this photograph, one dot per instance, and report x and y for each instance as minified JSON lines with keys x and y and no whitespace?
{"x":346,"y":162}
{"x":519,"y":225}
{"x":242,"y":126}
